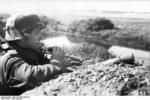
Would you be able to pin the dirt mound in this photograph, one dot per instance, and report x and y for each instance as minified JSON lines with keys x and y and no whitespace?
{"x":97,"y":79}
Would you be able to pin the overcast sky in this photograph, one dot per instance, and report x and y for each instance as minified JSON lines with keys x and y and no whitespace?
{"x":68,"y":5}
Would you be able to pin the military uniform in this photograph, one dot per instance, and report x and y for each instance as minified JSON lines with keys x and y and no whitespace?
{"x":21,"y":69}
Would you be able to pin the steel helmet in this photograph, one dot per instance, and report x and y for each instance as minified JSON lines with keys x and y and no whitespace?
{"x":20,"y":23}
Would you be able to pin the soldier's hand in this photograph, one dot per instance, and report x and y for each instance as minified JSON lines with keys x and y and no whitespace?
{"x":59,"y":58}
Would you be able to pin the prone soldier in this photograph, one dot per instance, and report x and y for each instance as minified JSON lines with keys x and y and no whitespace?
{"x":23,"y":65}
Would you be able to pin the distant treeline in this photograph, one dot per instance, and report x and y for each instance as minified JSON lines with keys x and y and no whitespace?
{"x":90,"y":25}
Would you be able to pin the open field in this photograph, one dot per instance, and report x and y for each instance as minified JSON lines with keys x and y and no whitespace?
{"x":128,"y":32}
{"x":133,"y":33}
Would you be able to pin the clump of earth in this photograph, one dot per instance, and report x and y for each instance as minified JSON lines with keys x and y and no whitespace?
{"x":93,"y":78}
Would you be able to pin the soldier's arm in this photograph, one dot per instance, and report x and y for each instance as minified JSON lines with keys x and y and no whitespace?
{"x":18,"y":70}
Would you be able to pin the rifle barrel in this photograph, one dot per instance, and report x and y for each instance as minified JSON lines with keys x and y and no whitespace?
{"x":75,"y":58}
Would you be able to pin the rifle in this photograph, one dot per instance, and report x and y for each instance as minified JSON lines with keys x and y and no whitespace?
{"x":73,"y":60}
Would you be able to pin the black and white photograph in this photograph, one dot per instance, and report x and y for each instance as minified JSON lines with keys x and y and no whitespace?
{"x":74,"y":48}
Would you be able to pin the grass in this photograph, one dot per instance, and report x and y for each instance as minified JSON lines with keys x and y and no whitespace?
{"x":129,"y":33}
